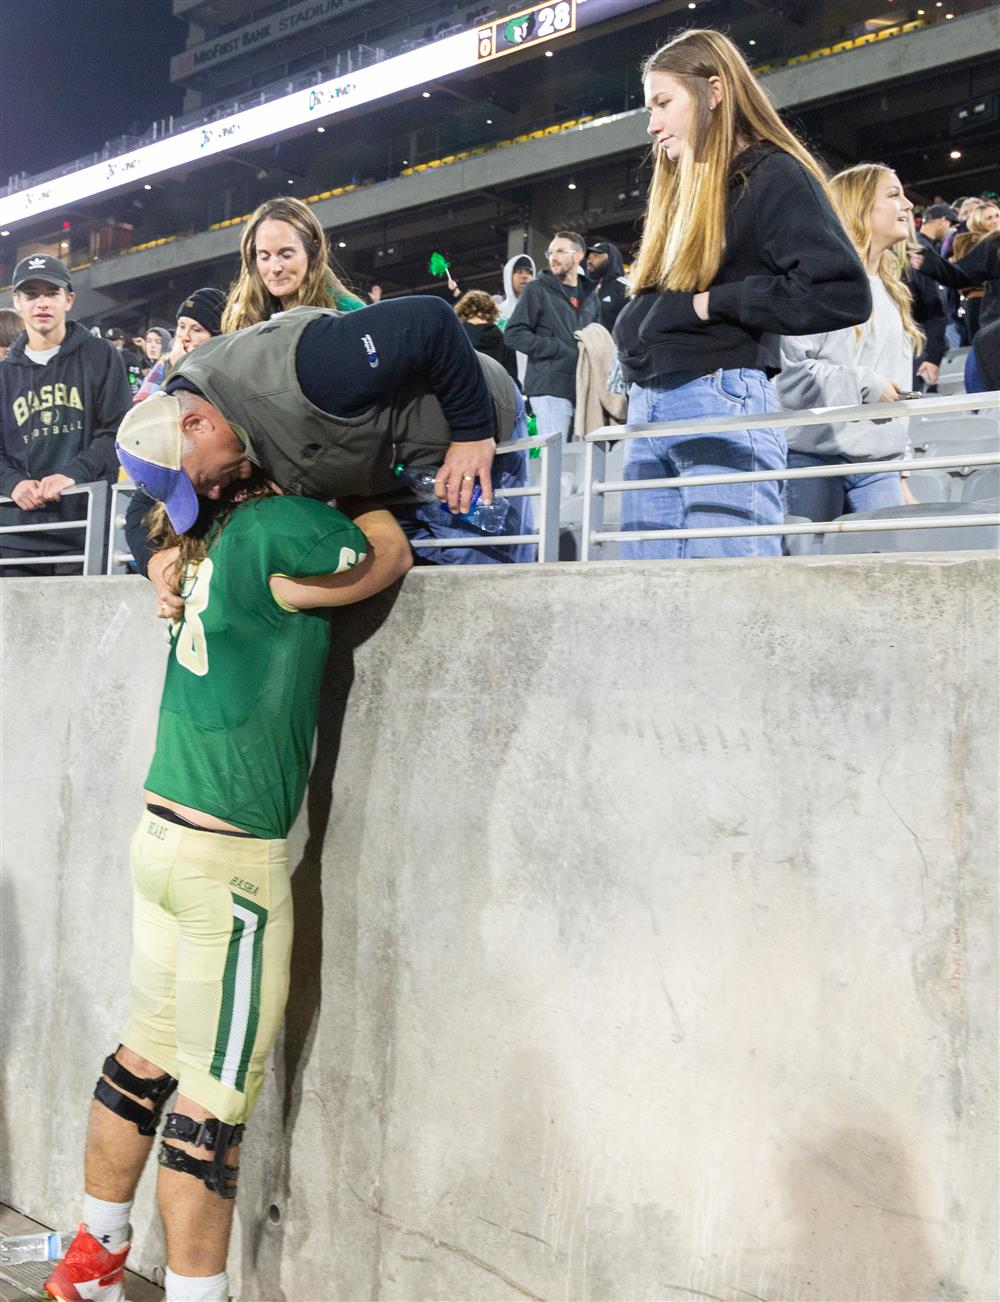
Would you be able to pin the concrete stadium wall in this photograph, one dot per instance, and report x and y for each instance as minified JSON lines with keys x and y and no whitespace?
{"x":645,"y":945}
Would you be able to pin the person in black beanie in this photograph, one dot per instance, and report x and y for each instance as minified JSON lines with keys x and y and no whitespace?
{"x":199,"y":317}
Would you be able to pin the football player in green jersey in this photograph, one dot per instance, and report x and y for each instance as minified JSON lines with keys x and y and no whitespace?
{"x":212,"y":922}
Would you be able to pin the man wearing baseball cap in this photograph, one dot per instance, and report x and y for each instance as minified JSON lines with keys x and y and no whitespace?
{"x":935,"y":224}
{"x":327,"y":405}
{"x":607,"y":270}
{"x":63,"y":394}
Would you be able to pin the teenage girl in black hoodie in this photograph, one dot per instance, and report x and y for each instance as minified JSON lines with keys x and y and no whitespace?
{"x":740,"y":245}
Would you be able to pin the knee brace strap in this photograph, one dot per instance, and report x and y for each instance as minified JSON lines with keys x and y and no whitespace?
{"x":158,"y":1089}
{"x":216,"y":1176}
{"x":213,"y":1134}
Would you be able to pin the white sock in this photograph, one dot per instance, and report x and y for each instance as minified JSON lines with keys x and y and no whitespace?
{"x":107,"y":1222}
{"x":196,"y":1288}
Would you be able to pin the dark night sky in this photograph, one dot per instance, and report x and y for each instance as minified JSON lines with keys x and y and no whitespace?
{"x":75,"y":73}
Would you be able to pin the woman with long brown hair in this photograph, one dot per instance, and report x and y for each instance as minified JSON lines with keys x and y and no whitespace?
{"x":284,"y":262}
{"x":740,"y":245}
{"x":872,"y":363}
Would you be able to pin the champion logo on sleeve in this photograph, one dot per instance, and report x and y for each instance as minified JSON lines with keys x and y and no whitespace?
{"x":369,"y":346}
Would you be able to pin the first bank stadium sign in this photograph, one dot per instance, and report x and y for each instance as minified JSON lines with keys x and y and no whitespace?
{"x":417,"y":67}
{"x":209,"y":54}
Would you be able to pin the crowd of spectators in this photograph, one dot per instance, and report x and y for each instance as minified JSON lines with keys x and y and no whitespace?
{"x":820,"y":293}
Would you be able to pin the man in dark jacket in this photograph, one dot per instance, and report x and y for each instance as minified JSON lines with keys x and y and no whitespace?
{"x":62,"y":396}
{"x":607,"y":270}
{"x":549,"y":312}
{"x":936,"y":224}
{"x":929,"y":315}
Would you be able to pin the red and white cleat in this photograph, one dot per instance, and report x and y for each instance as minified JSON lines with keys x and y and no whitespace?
{"x":89,"y":1272}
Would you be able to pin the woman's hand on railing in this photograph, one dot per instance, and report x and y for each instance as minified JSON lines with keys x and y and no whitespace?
{"x":890,"y":393}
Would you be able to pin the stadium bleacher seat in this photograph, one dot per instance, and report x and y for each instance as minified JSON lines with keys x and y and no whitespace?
{"x":934,"y":486}
{"x":982,"y":485}
{"x":970,"y":538}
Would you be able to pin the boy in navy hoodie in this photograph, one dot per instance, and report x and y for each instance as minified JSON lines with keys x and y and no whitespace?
{"x":62,"y":396}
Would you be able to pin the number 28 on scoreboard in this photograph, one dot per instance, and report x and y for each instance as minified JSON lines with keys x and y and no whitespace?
{"x":529,"y":27}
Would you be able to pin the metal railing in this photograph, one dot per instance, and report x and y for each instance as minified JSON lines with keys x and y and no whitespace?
{"x":92,"y":556}
{"x":547,"y":492}
{"x":595,"y":486}
{"x":546,"y":535}
{"x":103,"y":526}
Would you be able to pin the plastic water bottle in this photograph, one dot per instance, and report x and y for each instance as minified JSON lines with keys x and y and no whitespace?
{"x":487,"y":518}
{"x":16,"y":1249}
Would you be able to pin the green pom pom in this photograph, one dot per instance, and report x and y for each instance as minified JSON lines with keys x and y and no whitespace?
{"x":438,"y":265}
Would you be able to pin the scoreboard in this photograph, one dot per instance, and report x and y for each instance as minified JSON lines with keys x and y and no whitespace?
{"x":541,"y":22}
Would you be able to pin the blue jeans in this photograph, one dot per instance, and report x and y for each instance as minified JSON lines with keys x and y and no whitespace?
{"x":826,"y":499}
{"x":428,"y":520}
{"x":553,"y":414}
{"x":723,"y":393}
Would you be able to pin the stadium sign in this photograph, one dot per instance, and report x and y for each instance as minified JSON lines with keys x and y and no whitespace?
{"x":530,"y":27}
{"x":209,"y":54}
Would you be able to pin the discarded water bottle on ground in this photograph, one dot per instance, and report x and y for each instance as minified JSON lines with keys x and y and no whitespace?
{"x":15,"y":1249}
{"x":487,"y":518}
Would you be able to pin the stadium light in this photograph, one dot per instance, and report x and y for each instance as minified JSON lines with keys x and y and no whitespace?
{"x":321,"y":130}
{"x":955,"y":153}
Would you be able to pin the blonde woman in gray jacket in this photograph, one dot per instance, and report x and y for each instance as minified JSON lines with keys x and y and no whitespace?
{"x":871,"y":363}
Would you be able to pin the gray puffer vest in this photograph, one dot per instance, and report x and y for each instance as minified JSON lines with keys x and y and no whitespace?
{"x":250,"y":376}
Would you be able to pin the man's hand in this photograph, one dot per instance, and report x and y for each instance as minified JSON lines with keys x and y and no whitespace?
{"x":51,"y":487}
{"x":464,"y":464}
{"x":26,"y":495}
{"x":163,"y":573}
{"x":916,"y":260}
{"x":929,"y":372}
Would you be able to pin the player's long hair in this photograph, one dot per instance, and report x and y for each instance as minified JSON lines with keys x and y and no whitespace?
{"x":684,"y":234}
{"x":854,"y":193}
{"x":249,"y":299}
{"x":192,"y":547}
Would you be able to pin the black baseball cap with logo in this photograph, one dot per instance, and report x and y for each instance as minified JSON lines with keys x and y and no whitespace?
{"x":601,"y":246}
{"x":940,"y":210}
{"x":39,"y":266}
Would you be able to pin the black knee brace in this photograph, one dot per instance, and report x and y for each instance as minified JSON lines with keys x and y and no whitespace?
{"x":158,"y":1090}
{"x":217,"y":1136}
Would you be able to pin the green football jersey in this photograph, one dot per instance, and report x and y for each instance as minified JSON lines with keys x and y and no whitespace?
{"x":239,"y":701}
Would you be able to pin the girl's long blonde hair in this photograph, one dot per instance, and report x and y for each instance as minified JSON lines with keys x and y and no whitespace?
{"x":854,"y":193}
{"x":684,"y":235}
{"x":192,"y":547}
{"x":249,"y":299}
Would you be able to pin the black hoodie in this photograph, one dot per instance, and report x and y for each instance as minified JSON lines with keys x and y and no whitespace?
{"x":788,"y":269}
{"x":543,"y":325}
{"x":59,"y":419}
{"x":612,"y":291}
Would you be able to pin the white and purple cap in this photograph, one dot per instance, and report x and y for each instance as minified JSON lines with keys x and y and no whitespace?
{"x":149,"y":447}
